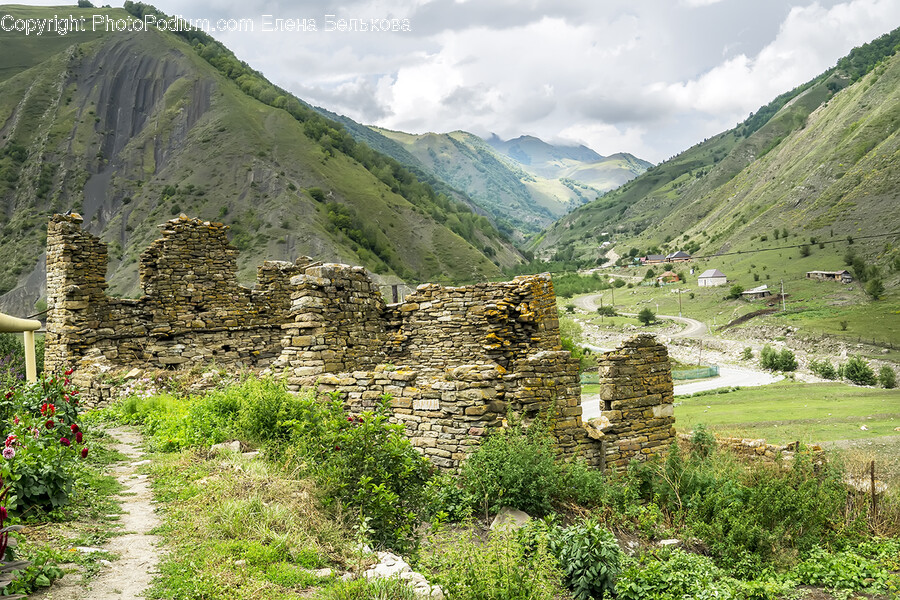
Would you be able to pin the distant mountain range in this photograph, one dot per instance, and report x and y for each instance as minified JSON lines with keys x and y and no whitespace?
{"x":822,"y":160}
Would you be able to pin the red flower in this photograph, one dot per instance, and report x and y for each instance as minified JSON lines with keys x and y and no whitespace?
{"x":16,"y":419}
{"x":78,"y":437}
{"x":3,"y":513}
{"x":65,"y":441}
{"x":84,"y":452}
{"x":350,"y":419}
{"x":74,"y":427}
{"x":50,"y":424}
{"x":337,"y":447}
{"x":69,"y":372}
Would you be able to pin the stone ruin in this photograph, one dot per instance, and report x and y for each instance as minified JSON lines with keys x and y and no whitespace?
{"x":455,"y":360}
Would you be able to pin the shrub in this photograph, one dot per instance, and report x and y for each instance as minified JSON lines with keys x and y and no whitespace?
{"x":606,"y":311}
{"x":774,"y":360}
{"x":43,"y":442}
{"x":590,"y":557}
{"x":747,"y":354}
{"x":823,"y":369}
{"x":669,"y":575}
{"x":503,"y":568}
{"x":735,"y":292}
{"x":844,"y":570}
{"x":857,"y":370}
{"x":875,"y":288}
{"x":513,"y":467}
{"x":646,"y":316}
{"x":887,"y":377}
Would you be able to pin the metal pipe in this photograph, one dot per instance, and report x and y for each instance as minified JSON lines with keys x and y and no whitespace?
{"x":10,"y":324}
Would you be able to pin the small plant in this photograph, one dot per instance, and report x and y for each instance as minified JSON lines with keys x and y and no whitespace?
{"x":773,"y":360}
{"x":747,"y":354}
{"x":590,"y":557}
{"x":843,"y":325}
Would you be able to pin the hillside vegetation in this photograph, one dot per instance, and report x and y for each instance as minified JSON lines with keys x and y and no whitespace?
{"x":132,"y":129}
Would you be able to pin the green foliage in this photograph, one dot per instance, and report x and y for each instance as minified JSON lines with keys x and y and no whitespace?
{"x":747,"y":353}
{"x":513,"y":467}
{"x":671,"y":576}
{"x":392,"y":588}
{"x":567,"y":285}
{"x":862,"y":59}
{"x":606,"y":311}
{"x":773,"y":360}
{"x":590,"y":558}
{"x":735,"y":292}
{"x":12,"y":358}
{"x":887,"y":377}
{"x":823,"y":369}
{"x":857,"y":370}
{"x":842,"y":570}
{"x":875,"y":288}
{"x":646,"y":316}
{"x":502,"y":568}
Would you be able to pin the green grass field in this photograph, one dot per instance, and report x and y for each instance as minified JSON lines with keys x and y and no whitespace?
{"x":784,"y":412}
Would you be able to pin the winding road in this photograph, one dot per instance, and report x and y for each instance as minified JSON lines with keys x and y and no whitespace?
{"x":729,"y":376}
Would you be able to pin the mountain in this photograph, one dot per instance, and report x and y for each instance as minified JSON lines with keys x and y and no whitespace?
{"x":823,"y":160}
{"x":523,"y":185}
{"x":130,"y":129}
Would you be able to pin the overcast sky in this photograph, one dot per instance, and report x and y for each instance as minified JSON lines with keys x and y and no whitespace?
{"x":649,"y":77}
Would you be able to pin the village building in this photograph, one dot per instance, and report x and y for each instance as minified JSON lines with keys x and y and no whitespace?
{"x":711,"y":278}
{"x":653,"y":259}
{"x":757,"y":293}
{"x":843,"y":276}
{"x":668,"y":277}
{"x":680,"y":256}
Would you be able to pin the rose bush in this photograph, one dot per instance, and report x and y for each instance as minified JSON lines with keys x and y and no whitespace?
{"x":42,"y":442}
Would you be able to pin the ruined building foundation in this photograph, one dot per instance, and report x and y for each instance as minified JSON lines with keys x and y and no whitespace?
{"x":455,"y":360}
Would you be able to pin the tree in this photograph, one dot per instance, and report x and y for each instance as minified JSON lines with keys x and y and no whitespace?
{"x":646,"y":316}
{"x":887,"y":377}
{"x":735,"y":292}
{"x":85,"y":4}
{"x":875,"y":288}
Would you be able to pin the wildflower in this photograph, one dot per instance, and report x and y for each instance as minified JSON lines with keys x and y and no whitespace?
{"x":65,"y":441}
{"x":9,"y":453}
{"x":69,"y":372}
{"x":78,"y":437}
{"x":50,"y":424}
{"x":84,"y":452}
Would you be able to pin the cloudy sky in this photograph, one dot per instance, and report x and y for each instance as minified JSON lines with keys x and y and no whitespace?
{"x":650,"y":77}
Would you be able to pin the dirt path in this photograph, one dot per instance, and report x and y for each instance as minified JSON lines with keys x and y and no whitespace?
{"x":127,"y":577}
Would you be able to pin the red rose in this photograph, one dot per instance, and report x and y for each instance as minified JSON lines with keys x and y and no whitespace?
{"x":84,"y":452}
{"x":74,"y":427}
{"x":78,"y":437}
{"x":65,"y":441}
{"x":49,"y":424}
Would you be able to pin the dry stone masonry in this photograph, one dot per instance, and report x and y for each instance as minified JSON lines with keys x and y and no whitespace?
{"x":456,"y":361}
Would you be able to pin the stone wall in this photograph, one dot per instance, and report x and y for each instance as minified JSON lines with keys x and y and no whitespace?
{"x":759,"y":450}
{"x":455,"y":360}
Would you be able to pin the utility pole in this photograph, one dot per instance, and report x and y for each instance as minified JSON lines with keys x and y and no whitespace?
{"x":613,"y":289}
{"x":601,"y":308}
{"x":782,"y":296}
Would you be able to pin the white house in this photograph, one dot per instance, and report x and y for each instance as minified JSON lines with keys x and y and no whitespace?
{"x":711,"y":277}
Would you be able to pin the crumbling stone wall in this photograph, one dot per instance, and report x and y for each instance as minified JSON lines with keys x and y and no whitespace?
{"x":455,"y":360}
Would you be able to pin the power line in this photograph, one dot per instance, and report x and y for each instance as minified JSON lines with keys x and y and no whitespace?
{"x":840,"y":241}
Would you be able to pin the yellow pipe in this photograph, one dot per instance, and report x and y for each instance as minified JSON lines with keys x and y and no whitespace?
{"x":10,"y":324}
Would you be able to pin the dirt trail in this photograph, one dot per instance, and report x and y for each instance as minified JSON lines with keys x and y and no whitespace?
{"x":127,"y":577}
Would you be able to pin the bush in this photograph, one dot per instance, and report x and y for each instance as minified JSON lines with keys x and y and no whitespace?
{"x":858,"y":371}
{"x":503,"y":568}
{"x":606,"y":311}
{"x":43,"y":442}
{"x":875,"y":288}
{"x":887,"y":377}
{"x":735,"y":292}
{"x":773,"y":360}
{"x":669,"y":575}
{"x":646,"y":316}
{"x":823,"y":369}
{"x":512,"y":467}
{"x":747,"y":354}
{"x":590,"y":557}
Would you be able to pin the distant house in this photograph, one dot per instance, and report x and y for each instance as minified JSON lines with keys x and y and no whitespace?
{"x":711,"y":277}
{"x":756,"y":293}
{"x":653,"y":259}
{"x":842,"y":276}
{"x":679,"y":256}
{"x":668,"y":277}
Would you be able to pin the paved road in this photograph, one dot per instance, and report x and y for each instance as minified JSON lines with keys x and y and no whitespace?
{"x":728,"y":376}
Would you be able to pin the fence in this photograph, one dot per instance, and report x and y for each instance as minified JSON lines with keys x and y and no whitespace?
{"x":699,"y":373}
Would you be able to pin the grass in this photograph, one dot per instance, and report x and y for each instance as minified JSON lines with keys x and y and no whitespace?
{"x":787,"y":411}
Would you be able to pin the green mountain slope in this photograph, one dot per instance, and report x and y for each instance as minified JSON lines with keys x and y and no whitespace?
{"x":131,"y":129}
{"x":821,"y":160}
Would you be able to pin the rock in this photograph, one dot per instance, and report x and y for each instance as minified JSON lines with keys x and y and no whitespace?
{"x":509,"y":518}
{"x":390,"y":565}
{"x":670,"y":543}
{"x":88,"y":549}
{"x":225,"y":447}
{"x":133,"y":374}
